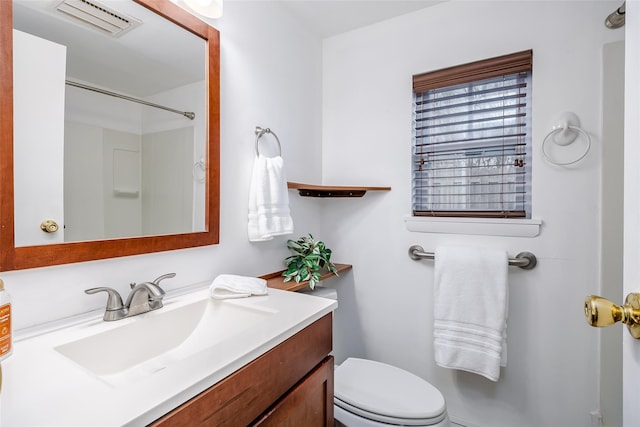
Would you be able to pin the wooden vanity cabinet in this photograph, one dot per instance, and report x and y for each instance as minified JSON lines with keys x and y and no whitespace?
{"x":290,"y":385}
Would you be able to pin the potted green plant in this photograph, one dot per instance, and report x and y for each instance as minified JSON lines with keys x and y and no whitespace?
{"x":310,"y":259}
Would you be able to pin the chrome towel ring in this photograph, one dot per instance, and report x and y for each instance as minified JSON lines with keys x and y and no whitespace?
{"x":260,"y":132}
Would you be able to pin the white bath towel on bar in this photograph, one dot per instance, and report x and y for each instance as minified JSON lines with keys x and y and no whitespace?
{"x":227,"y":286}
{"x":470,"y":309}
{"x":269,"y":214}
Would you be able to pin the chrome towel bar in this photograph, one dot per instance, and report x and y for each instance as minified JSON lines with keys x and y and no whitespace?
{"x":524,"y":260}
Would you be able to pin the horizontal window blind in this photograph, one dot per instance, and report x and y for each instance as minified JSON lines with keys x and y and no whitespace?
{"x":471,"y":151}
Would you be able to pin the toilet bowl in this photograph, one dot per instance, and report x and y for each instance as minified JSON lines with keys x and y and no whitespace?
{"x":374,"y":394}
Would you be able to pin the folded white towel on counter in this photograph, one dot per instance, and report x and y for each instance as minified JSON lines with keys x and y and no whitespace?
{"x":470,"y":309}
{"x":269,"y":213}
{"x":227,"y":286}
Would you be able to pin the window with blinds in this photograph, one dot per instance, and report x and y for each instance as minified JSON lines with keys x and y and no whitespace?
{"x":472,"y":139}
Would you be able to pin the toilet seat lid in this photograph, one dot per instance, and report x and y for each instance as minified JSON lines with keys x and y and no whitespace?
{"x":386,"y":390}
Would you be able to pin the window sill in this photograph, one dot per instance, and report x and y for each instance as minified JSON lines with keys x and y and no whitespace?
{"x":481,"y":226}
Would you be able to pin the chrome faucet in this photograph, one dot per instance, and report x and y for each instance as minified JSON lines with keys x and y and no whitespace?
{"x":144,"y":297}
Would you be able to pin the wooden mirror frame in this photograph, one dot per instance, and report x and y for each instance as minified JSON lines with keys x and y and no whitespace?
{"x":16,"y":258}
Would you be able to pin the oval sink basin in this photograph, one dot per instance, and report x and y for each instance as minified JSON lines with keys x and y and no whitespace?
{"x":151,"y":342}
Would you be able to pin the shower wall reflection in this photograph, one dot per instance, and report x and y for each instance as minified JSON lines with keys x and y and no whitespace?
{"x":128,"y":169}
{"x":102,"y":166}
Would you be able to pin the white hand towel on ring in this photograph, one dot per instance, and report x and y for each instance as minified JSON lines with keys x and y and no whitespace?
{"x":269,"y":213}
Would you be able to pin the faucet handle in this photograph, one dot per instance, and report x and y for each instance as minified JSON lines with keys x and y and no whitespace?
{"x":115,"y":300}
{"x":156,"y":281}
{"x":164,"y":276}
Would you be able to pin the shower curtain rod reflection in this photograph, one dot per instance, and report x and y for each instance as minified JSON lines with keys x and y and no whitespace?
{"x":187,"y":114}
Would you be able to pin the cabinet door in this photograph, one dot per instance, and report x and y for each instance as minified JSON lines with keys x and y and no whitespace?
{"x":309,"y":403}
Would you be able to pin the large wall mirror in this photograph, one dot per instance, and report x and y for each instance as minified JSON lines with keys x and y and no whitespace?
{"x":109,"y":130}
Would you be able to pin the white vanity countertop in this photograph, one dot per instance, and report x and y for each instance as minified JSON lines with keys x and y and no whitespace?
{"x":42,"y":387}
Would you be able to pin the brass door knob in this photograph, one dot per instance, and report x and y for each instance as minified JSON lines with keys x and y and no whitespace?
{"x":601,"y":312}
{"x":49,"y":226}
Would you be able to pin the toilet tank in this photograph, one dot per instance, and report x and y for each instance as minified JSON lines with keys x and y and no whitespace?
{"x":323,"y":292}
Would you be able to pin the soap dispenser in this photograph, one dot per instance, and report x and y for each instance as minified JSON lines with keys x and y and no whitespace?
{"x":6,"y":340}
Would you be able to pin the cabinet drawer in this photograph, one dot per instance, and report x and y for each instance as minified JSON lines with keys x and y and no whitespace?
{"x":243,"y":396}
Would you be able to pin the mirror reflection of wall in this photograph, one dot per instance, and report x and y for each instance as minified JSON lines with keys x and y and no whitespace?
{"x":121,"y":169}
{"x":167,"y":177}
{"x":129,"y":168}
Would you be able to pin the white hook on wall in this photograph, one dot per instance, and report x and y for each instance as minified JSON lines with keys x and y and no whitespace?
{"x":199,"y":170}
{"x":565,"y":132}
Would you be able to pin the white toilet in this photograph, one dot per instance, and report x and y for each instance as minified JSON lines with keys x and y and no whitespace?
{"x":369,"y":393}
{"x":374,"y":394}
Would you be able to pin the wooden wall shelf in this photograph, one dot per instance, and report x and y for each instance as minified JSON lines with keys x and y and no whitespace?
{"x":276,"y":280}
{"x":309,"y":190}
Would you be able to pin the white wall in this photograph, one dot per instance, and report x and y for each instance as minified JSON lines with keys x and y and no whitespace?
{"x":270,"y":76}
{"x":92,"y":108}
{"x":190,"y":98}
{"x":551,"y":378}
{"x":83,"y":177}
{"x":121,"y":183}
{"x":101,"y":183}
{"x":168,"y":182}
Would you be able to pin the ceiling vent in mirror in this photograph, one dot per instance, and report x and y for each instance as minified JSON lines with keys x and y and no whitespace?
{"x":98,"y":16}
